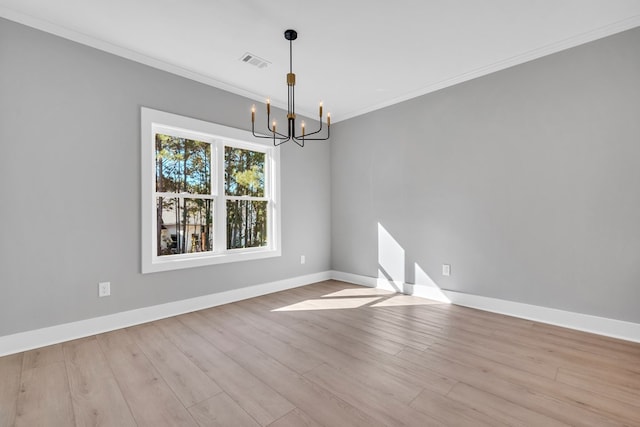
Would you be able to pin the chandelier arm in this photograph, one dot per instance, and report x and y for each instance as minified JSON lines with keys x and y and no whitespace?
{"x":318,"y":131}
{"x":318,"y":139}
{"x":268,"y":119}
{"x":271,"y":137}
{"x":280,"y":136}
{"x":282,"y":141}
{"x":313,"y":133}
{"x":314,"y":139}
{"x":262,"y":136}
{"x":253,"y":131}
{"x":297,"y":141}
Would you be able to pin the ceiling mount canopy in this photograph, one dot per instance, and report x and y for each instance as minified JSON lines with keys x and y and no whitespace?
{"x":291,"y":35}
{"x":280,"y":138}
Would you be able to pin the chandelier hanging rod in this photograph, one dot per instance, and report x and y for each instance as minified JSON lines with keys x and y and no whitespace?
{"x":279,"y":138}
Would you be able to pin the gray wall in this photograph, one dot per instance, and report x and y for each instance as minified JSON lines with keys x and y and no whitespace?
{"x":526,"y":181}
{"x":70,"y":185}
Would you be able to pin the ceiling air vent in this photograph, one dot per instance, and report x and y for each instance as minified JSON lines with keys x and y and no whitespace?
{"x":250,"y":58}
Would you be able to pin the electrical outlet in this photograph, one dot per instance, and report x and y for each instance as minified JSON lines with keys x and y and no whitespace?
{"x":446,"y":270}
{"x":104,"y":289}
{"x":302,"y":259}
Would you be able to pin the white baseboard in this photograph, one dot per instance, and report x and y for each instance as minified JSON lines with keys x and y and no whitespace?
{"x":28,"y":340}
{"x":429,"y":292}
{"x":356,"y":279}
{"x":621,"y":329}
{"x":583,"y":322}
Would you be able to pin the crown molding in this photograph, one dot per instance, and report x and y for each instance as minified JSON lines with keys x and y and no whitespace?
{"x":76,"y":36}
{"x":87,"y":40}
{"x":580,"y":39}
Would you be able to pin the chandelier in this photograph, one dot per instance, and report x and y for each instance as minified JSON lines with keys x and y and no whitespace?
{"x":280,"y":138}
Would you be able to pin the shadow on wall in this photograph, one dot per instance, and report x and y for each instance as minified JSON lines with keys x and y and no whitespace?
{"x":392,"y":274}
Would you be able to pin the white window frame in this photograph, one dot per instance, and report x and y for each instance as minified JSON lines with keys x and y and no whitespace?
{"x":219,"y":136}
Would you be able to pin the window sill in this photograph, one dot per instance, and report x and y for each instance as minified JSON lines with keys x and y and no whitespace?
{"x":178,"y":263}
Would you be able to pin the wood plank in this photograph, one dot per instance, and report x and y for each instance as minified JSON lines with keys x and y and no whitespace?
{"x":383,"y":407}
{"x":451,"y":412}
{"x":515,"y":358}
{"x":572,"y":413}
{"x":500,"y":409}
{"x":413,"y":375}
{"x":588,"y":399}
{"x":151,"y":400}
{"x":10,"y":371}
{"x":606,"y":388}
{"x":221,"y":411}
{"x":533,"y":362}
{"x":616,"y":377}
{"x":384,"y":380}
{"x":577,"y":345}
{"x":221,"y":339}
{"x":44,"y":398}
{"x":42,"y":356}
{"x":569,"y":354}
{"x":615,"y":344}
{"x":259,"y":400}
{"x":295,"y":418}
{"x":299,"y":360}
{"x":391,"y":380}
{"x":358,"y":334}
{"x":316,"y":401}
{"x":365,"y":320}
{"x":97,"y":399}
{"x":187,"y":381}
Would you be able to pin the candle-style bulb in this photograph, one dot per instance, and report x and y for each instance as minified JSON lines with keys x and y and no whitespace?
{"x":268,"y":106}
{"x":302,"y":128}
{"x":320,"y":109}
{"x":328,"y":119}
{"x":253,"y":113}
{"x":274,"y":127}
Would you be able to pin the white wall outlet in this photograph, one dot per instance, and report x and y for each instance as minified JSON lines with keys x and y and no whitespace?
{"x":104,"y":289}
{"x":446,"y":270}
{"x":302,"y":259}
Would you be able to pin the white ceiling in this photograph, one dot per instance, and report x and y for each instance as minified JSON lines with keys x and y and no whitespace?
{"x":355,"y":55}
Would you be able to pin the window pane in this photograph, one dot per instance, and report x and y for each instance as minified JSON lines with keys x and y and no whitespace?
{"x":182,"y":165}
{"x":246,"y":224}
{"x":243,"y":172}
{"x":184,"y":225}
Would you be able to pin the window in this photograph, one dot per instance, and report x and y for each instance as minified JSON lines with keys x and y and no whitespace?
{"x":210,"y":194}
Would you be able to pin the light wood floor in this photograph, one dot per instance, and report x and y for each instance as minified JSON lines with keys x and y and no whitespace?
{"x":327,"y":354}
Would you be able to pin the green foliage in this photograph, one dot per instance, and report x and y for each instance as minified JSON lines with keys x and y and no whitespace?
{"x":246,"y":219}
{"x":186,"y":224}
{"x":244,"y":172}
{"x":183,"y":166}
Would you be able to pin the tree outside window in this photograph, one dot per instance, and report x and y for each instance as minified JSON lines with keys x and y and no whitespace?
{"x":210,"y":194}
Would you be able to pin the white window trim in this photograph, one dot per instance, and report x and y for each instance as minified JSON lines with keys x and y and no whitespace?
{"x":150,"y":120}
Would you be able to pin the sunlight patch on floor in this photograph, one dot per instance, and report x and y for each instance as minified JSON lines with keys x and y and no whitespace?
{"x":351,"y":292}
{"x":328,"y":304}
{"x":404,"y":300}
